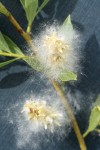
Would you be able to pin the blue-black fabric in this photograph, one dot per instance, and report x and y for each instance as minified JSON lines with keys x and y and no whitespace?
{"x":18,"y":79}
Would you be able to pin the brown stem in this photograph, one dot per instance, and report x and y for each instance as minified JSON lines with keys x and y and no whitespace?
{"x":25,"y":35}
{"x":70,"y":114}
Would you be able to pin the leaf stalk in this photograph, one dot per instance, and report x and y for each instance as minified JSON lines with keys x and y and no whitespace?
{"x":29,"y":28}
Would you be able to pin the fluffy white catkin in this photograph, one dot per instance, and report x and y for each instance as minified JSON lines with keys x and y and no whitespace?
{"x":39,"y":117}
{"x":58,"y":50}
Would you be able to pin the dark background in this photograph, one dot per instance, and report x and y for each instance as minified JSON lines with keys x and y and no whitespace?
{"x":18,"y":79}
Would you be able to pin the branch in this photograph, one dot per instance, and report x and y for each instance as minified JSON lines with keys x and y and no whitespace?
{"x":27,"y":37}
{"x":70,"y":114}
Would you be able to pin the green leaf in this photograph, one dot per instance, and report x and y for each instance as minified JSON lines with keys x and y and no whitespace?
{"x":67,"y":76}
{"x":7,"y":45}
{"x":94,"y":120}
{"x":34,"y":63}
{"x":3,"y":44}
{"x":30,"y":7}
{"x":12,"y":46}
{"x":2,"y":64}
{"x":42,"y":6}
{"x":67,"y":24}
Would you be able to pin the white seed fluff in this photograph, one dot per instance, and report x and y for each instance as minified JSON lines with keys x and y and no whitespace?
{"x":42,"y":127}
{"x":40,"y":113}
{"x":57,"y":50}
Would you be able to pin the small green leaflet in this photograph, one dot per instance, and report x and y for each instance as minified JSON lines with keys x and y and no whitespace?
{"x":94,"y":120}
{"x":2,"y":64}
{"x":67,"y":24}
{"x":30,"y":7}
{"x":67,"y":76}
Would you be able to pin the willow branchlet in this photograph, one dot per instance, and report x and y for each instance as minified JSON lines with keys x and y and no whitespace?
{"x":39,"y":111}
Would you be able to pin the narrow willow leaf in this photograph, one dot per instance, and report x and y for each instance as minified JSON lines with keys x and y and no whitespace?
{"x":67,"y":76}
{"x":42,"y":6}
{"x":30,"y":7}
{"x":34,"y":63}
{"x":12,"y":46}
{"x":94,"y":120}
{"x":67,"y":24}
{"x":2,"y":64}
{"x":3,"y":44}
{"x":7,"y":45}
